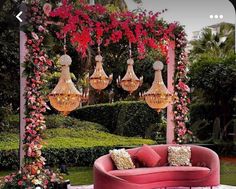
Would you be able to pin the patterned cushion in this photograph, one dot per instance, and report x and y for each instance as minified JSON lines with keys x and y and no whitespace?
{"x":121,"y":159}
{"x":179,"y":155}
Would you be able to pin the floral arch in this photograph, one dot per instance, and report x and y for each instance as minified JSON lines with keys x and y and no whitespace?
{"x":86,"y":25}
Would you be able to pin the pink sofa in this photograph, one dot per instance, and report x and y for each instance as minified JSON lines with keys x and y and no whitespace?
{"x":204,"y":172}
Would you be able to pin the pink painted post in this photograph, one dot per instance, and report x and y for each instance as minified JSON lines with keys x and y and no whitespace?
{"x":170,"y":85}
{"x":22,"y":98}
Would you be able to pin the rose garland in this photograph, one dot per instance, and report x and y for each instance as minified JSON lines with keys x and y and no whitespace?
{"x":33,"y":174}
{"x":182,"y":134}
{"x":141,"y":29}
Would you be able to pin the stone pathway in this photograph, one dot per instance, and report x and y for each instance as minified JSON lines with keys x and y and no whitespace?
{"x":218,"y":187}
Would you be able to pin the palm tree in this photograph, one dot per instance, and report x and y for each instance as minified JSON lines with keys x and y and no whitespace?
{"x":217,"y":44}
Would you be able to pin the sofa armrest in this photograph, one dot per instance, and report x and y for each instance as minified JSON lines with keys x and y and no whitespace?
{"x":209,"y":158}
{"x":204,"y":155}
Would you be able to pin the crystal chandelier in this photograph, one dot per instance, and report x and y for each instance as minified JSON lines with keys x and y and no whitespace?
{"x":130,"y":81}
{"x":65,"y":97}
{"x":99,"y":79}
{"x":158,"y":97}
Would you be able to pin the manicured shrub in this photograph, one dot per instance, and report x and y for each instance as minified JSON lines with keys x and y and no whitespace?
{"x":60,"y":121}
{"x":75,"y":146}
{"x":55,"y":121}
{"x":10,"y":123}
{"x":72,"y":156}
{"x":9,"y":159}
{"x":123,"y":118}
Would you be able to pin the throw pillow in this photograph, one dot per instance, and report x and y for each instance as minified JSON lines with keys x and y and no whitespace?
{"x":122,"y":159}
{"x":179,"y":155}
{"x":147,"y":156}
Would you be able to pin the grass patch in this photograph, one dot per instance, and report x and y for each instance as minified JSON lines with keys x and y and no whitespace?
{"x":228,"y":173}
{"x":84,"y":175}
{"x":80,"y":176}
{"x":75,"y":138}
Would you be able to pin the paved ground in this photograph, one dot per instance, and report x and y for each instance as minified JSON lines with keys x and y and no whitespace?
{"x":219,"y":187}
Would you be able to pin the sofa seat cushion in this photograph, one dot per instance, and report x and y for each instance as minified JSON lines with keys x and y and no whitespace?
{"x":157,"y":174}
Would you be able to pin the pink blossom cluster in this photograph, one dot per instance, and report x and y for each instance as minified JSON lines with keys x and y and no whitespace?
{"x":92,"y":24}
{"x":36,"y":63}
{"x":182,"y":90}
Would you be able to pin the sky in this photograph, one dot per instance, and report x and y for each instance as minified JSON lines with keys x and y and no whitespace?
{"x":194,"y":14}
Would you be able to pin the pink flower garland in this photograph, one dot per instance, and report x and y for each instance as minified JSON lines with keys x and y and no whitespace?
{"x":183,"y":135}
{"x":36,"y":63}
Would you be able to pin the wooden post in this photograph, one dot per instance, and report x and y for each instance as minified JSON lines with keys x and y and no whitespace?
{"x":170,"y":85}
{"x":23,"y":52}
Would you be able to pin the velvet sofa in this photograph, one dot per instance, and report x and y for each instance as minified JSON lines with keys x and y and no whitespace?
{"x":205,"y":171}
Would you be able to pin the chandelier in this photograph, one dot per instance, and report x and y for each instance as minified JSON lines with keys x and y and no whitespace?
{"x":158,"y":97}
{"x":130,"y":81}
{"x":65,"y":97}
{"x":99,"y":79}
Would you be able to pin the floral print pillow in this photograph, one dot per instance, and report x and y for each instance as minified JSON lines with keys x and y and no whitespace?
{"x":179,"y":155}
{"x":122,"y":159}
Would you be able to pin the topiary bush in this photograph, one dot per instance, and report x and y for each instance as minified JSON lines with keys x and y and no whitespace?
{"x":126,"y":118}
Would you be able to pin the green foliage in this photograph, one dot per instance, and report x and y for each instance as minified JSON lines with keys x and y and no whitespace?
{"x":123,"y":118}
{"x":214,"y":79}
{"x":220,"y":44}
{"x":85,"y":175}
{"x":9,"y":48}
{"x":201,"y":111}
{"x":60,"y":121}
{"x":9,"y":159}
{"x":9,"y":122}
{"x":79,"y":145}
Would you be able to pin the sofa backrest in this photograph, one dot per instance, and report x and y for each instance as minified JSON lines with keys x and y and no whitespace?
{"x":196,"y":153}
{"x":199,"y":155}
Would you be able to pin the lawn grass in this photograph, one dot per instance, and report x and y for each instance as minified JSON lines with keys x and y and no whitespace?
{"x":84,"y":176}
{"x":80,"y":176}
{"x":228,"y":173}
{"x":75,"y":138}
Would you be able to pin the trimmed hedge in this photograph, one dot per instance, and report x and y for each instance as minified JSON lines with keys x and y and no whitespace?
{"x":76,"y":146}
{"x":10,"y":123}
{"x":123,"y":118}
{"x":75,"y":156}
{"x":60,"y":121}
{"x":71,"y":156}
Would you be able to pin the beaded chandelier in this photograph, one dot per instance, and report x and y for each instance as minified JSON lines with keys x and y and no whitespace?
{"x":65,"y":97}
{"x":99,"y":79}
{"x":130,"y":82}
{"x":158,"y":97}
